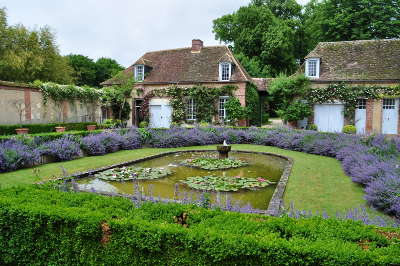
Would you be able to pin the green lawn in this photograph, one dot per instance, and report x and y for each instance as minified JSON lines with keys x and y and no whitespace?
{"x":316,"y":183}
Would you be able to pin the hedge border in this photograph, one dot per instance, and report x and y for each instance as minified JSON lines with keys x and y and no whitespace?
{"x":275,"y":205}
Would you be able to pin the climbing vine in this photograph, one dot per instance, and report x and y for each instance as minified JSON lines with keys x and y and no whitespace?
{"x":60,"y":93}
{"x":205,"y":98}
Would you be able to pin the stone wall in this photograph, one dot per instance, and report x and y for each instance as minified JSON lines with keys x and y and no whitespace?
{"x":25,"y":105}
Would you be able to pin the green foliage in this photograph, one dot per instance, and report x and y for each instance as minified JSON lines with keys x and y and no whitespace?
{"x":263,"y":41}
{"x":44,"y":128}
{"x":27,"y":55}
{"x":235,"y":111}
{"x":117,"y":95}
{"x":43,"y":137}
{"x":213,"y":163}
{"x":144,"y":124}
{"x":90,"y":73}
{"x":60,"y":93}
{"x":253,"y":105}
{"x":296,"y":110}
{"x":132,"y":173}
{"x":225,"y":183}
{"x":349,"y":129}
{"x":312,"y":127}
{"x":45,"y":226}
{"x":343,"y":20}
{"x":203,"y":96}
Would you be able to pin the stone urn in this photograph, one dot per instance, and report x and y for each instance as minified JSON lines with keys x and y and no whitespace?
{"x":223,"y":151}
{"x":60,"y":129}
{"x":21,"y":131}
{"x":91,"y":127}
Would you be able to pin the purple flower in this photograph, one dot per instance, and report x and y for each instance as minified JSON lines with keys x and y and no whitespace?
{"x":63,"y":149}
{"x":15,"y":155}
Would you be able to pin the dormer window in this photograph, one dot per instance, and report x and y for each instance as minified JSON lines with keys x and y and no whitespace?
{"x":225,"y":71}
{"x":312,"y":67}
{"x":139,"y":72}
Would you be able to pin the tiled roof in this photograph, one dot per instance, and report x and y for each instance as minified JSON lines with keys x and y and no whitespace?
{"x":358,"y":60}
{"x":262,"y":83}
{"x":183,"y":65}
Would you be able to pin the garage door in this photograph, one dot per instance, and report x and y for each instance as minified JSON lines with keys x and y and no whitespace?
{"x":329,"y":117}
{"x":160,"y":113}
{"x":390,"y":114}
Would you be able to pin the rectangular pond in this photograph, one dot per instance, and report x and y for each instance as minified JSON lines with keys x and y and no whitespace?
{"x":264,"y":166}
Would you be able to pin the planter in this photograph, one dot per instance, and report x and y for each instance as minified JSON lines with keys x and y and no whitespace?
{"x":91,"y":127}
{"x":223,"y":151}
{"x":60,"y":129}
{"x":47,"y":159}
{"x":21,"y":131}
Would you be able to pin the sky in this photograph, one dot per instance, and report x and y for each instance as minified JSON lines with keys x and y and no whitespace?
{"x":122,"y":29}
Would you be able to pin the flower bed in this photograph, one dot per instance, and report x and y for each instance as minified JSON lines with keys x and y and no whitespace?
{"x":213,"y":163}
{"x":225,"y":183}
{"x":131,"y":173}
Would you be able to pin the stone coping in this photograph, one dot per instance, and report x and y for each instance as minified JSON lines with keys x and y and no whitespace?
{"x":274,"y":207}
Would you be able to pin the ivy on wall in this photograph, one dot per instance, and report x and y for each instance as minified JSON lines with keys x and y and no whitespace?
{"x":205,"y":98}
{"x":60,"y":93}
{"x":253,"y":105}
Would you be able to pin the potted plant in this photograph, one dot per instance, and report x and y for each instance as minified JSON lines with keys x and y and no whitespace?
{"x":22,"y":130}
{"x":91,"y":127}
{"x":60,"y":129}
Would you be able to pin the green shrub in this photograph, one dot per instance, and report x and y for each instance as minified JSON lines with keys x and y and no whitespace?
{"x":44,"y":128}
{"x":349,"y":129}
{"x":50,"y":136}
{"x":312,"y":127}
{"x":44,"y":226}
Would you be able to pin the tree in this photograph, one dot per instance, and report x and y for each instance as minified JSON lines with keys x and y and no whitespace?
{"x":28,"y":55}
{"x":235,"y":111}
{"x":84,"y":69}
{"x":106,"y":68}
{"x":343,"y":20}
{"x":116,"y":96}
{"x":262,"y":40}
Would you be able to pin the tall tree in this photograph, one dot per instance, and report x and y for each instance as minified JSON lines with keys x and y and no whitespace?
{"x":106,"y":68}
{"x":344,"y":20}
{"x":84,"y":69}
{"x":27,"y":55}
{"x":264,"y":42}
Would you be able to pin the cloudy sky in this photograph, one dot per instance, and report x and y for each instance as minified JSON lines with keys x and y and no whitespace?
{"x":122,"y":29}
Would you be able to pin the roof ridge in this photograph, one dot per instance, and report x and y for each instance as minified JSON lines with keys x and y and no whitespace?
{"x":376,"y":40}
{"x":184,"y":48}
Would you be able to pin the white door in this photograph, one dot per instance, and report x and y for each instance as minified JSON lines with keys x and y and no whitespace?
{"x":160,"y":113}
{"x":329,"y":117}
{"x":361,"y":115}
{"x":390,"y":116}
{"x":155,"y":116}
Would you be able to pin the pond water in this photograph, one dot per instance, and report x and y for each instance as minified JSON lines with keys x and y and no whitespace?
{"x":259,"y":165}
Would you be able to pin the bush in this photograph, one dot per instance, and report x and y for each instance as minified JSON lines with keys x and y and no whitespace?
{"x":102,"y":143}
{"x":143,"y":124}
{"x":349,"y":129}
{"x":51,"y":227}
{"x":62,"y":149}
{"x":44,"y":128}
{"x":41,"y":138}
{"x":312,"y":127}
{"x":15,"y":155}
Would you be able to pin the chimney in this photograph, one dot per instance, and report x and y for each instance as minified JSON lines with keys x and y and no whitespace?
{"x":197,"y":45}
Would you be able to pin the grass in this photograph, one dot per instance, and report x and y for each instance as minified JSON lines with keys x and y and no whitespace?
{"x":316,"y":183}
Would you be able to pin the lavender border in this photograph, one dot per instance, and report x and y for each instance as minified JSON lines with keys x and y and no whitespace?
{"x":274,"y":207}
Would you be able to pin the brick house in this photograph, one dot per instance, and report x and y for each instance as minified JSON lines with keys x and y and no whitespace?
{"x":366,"y":63}
{"x":210,"y":66}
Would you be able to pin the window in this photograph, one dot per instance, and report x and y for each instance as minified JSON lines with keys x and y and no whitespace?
{"x":312,"y":67}
{"x":225,"y":70}
{"x":191,"y":109}
{"x":361,"y":104}
{"x":221,"y":107}
{"x":389,"y":104}
{"x":139,"y":72}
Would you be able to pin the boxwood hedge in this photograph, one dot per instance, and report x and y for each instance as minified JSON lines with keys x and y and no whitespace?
{"x":43,"y":128}
{"x":40,"y":225}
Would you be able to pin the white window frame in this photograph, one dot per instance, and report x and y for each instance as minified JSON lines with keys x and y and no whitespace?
{"x":222,"y":111}
{"x":191,"y":109}
{"x":139,"y":77}
{"x":317,"y":67}
{"x":221,"y":68}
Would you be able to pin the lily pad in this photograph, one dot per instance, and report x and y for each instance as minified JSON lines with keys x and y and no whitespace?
{"x":213,"y":163}
{"x":225,"y":183}
{"x":131,"y":173}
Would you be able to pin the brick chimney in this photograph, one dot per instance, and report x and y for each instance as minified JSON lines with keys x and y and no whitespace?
{"x":197,"y":45}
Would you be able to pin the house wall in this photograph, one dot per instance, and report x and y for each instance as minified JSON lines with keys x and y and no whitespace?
{"x":373,"y":108}
{"x":28,"y":102}
{"x":240,"y":93}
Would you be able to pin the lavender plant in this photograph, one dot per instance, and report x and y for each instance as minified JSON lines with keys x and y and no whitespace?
{"x":15,"y":155}
{"x":62,"y":149}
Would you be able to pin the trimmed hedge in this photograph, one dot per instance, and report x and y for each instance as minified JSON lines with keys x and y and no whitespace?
{"x":43,"y":128}
{"x":44,"y":226}
{"x":43,"y":137}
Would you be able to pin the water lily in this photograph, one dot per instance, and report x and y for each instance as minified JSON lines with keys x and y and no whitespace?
{"x":260,"y":179}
